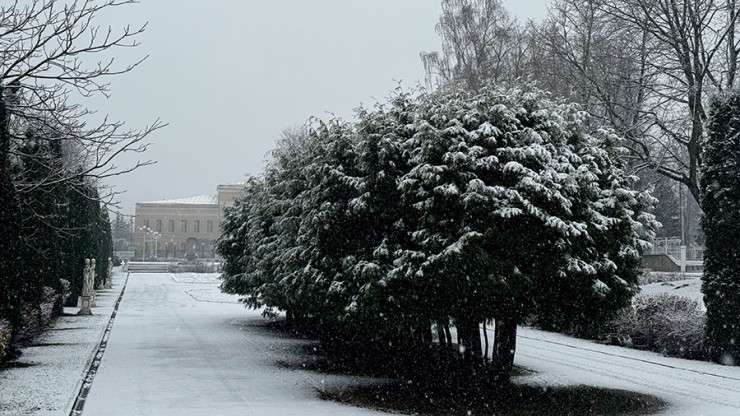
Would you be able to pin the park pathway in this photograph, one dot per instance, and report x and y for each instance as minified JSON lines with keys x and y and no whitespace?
{"x":175,"y":351}
{"x":179,"y":348}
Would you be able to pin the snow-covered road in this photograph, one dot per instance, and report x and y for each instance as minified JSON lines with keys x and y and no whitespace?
{"x":689,"y":387}
{"x":180,"y":348}
{"x":170,"y":353}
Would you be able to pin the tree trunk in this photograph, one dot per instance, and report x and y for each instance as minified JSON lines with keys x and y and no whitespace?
{"x":485,"y":336}
{"x":504,"y":348}
{"x":289,"y":318}
{"x":441,"y":336}
{"x":468,"y":332}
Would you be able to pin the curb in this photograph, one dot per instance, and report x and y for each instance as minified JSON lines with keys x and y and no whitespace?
{"x":94,"y":362}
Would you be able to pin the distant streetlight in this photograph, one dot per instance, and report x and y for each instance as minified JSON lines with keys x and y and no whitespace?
{"x":151,"y":236}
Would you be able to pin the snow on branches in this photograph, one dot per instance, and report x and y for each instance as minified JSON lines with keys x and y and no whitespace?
{"x":449,"y":207}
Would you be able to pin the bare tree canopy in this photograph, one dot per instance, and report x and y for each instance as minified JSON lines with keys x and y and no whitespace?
{"x":481,"y":43}
{"x":691,"y":53}
{"x":51,"y":53}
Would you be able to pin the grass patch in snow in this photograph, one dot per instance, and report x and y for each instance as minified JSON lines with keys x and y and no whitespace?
{"x":408,"y":398}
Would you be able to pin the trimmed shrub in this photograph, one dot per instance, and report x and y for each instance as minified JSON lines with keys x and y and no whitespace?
{"x":668,"y":324}
{"x":5,"y":336}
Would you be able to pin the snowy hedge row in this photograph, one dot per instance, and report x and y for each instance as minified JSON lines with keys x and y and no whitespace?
{"x":442,"y":209}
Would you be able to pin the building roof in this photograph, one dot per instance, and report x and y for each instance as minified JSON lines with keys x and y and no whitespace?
{"x":242,"y":182}
{"x":191,"y":200}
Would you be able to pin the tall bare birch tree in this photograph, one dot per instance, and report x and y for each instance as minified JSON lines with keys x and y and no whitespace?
{"x":481,"y":43}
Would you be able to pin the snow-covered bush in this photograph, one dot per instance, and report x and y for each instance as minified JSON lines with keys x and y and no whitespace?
{"x":36,"y":317}
{"x":668,"y":324}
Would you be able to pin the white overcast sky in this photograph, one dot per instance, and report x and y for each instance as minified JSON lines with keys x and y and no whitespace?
{"x":229,"y":76}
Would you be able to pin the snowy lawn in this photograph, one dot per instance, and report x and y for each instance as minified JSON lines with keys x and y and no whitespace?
{"x":196,"y":278}
{"x":208,"y":287}
{"x":689,"y":288}
{"x":212,"y":295}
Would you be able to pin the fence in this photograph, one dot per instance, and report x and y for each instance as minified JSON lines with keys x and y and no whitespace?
{"x":672,"y":247}
{"x":687,"y":258}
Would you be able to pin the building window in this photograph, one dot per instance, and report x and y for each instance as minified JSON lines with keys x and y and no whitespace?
{"x":159,"y":226}
{"x":196,"y":226}
{"x":209,"y":226}
{"x":171,"y":225}
{"x":184,"y":226}
{"x":146,"y":223}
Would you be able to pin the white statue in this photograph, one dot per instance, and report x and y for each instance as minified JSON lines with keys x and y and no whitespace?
{"x":86,"y":279}
{"x":91,"y":284}
{"x":109,"y":278}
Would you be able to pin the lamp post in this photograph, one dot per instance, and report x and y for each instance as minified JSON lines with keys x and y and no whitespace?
{"x":151,"y":237}
{"x":155,"y":236}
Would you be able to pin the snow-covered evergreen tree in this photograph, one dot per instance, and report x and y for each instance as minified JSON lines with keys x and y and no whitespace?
{"x":521,"y":210}
{"x":451,"y":208}
{"x":720,"y":184}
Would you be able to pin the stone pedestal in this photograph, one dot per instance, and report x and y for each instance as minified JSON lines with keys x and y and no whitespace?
{"x":90,"y":297}
{"x":84,"y":303}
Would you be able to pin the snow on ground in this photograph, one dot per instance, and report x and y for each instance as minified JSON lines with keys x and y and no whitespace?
{"x":179,"y":346}
{"x":208,"y":290}
{"x":169,"y":354}
{"x":50,"y":371}
{"x":689,"y":387}
{"x":689,"y":288}
{"x":204,"y":278}
{"x":212,"y":295}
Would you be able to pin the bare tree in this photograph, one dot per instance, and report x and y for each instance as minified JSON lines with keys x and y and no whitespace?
{"x":49,"y":56}
{"x":481,"y":43}
{"x":676,"y":52}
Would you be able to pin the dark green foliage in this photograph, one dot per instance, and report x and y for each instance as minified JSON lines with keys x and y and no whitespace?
{"x":87,"y":235}
{"x":667,"y":210}
{"x":13,"y":289}
{"x":46,"y":231}
{"x":720,"y":184}
{"x":444,"y":209}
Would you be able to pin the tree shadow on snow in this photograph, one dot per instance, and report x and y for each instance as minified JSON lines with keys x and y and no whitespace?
{"x":386,"y":383}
